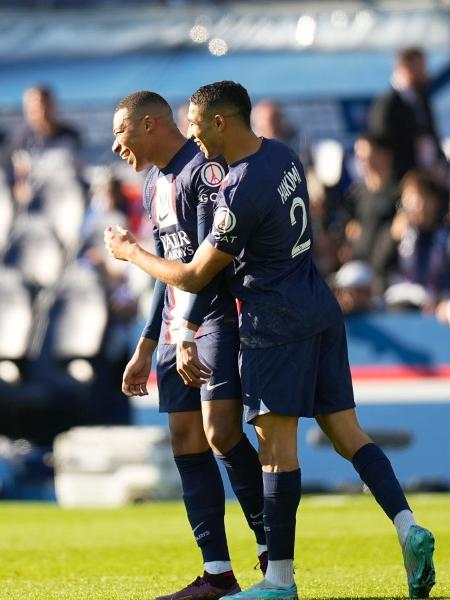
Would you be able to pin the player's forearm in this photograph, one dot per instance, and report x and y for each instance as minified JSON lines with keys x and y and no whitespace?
{"x":146,"y":345}
{"x":180,"y":275}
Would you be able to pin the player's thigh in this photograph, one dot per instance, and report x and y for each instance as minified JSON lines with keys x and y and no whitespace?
{"x":219,"y":351}
{"x":280,"y":379}
{"x":334,"y":390}
{"x":181,"y":402}
{"x":221,"y":395}
{"x":174,"y":395}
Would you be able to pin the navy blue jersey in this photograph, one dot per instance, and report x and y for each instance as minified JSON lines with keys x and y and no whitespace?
{"x":262,"y":218}
{"x":180,"y":201}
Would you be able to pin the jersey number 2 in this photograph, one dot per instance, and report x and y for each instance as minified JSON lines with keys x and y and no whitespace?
{"x":298,"y":247}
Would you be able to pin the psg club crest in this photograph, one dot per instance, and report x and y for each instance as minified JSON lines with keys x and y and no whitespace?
{"x":212,"y":174}
{"x":224,"y":220}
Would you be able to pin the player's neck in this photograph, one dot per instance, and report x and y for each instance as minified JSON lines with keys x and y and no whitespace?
{"x":244,"y":143}
{"x":171,"y":144}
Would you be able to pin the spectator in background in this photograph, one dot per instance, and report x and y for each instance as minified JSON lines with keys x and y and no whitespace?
{"x":270,"y":122}
{"x":371,"y":204}
{"x":109,"y":204}
{"x":325,"y":225}
{"x":422,"y":245}
{"x":353,"y":285}
{"x":404,"y":117}
{"x":44,"y":147}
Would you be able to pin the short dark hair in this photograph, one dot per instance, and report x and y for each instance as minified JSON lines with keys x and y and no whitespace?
{"x":376,"y":140}
{"x":424,"y":181}
{"x":44,"y":91}
{"x":406,"y":56}
{"x":224,"y":94}
{"x":143,"y":100}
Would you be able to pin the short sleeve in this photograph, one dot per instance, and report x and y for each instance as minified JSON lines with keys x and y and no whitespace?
{"x":234,"y":220}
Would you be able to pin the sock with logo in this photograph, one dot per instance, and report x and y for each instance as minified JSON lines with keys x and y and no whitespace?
{"x":282,"y":492}
{"x":375,"y":470}
{"x":245,"y":474}
{"x":204,"y":499}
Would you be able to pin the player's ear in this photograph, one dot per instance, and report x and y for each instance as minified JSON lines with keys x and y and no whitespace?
{"x":149,"y":123}
{"x":220,"y":122}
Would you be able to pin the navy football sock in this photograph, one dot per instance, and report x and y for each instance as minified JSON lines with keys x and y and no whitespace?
{"x":282,"y":493}
{"x":376,"y":471}
{"x":245,"y":474}
{"x":204,"y":499}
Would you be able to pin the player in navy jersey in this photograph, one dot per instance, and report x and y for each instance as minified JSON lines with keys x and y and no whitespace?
{"x":179,"y":195}
{"x":293,"y":356}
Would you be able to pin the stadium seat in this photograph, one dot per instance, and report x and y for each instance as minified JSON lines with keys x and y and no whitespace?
{"x":80,"y":315}
{"x":63,"y":202}
{"x":114,"y":466}
{"x":6,"y":214}
{"x":15,"y":315}
{"x":35,"y":251}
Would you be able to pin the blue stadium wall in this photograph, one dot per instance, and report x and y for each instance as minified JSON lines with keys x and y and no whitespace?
{"x":401,"y":374}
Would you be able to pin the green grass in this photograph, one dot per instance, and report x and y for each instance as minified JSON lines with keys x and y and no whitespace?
{"x":346,"y":548}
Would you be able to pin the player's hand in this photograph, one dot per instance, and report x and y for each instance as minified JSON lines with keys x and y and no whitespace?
{"x":443,"y":312}
{"x":119,"y":243}
{"x":137,"y":371}
{"x":192,"y":371}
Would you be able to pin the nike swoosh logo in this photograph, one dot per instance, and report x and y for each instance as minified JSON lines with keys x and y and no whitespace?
{"x":197,"y":526}
{"x":164,"y":216}
{"x":210,"y":387}
{"x":257,"y":515}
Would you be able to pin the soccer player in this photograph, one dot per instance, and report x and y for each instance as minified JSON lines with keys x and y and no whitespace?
{"x":293,"y":356}
{"x":179,"y":195}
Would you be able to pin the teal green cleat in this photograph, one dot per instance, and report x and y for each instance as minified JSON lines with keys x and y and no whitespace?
{"x":418,"y":559}
{"x":265,"y":591}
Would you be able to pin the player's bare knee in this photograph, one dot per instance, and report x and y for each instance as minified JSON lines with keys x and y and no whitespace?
{"x":223,"y":438}
{"x":188,"y":445}
{"x":341,"y":451}
{"x":275,"y":458}
{"x":186,"y":435}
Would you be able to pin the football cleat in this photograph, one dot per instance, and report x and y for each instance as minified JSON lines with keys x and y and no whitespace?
{"x":264,"y":590}
{"x":202,"y":589}
{"x":418,"y":559}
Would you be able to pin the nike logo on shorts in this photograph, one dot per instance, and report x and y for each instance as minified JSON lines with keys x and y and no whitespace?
{"x":256,"y":516}
{"x":210,"y":387}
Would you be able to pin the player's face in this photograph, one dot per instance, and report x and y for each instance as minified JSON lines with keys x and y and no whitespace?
{"x":131,"y":140}
{"x":203,"y":128}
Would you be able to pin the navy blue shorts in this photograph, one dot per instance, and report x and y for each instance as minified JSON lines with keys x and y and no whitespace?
{"x":303,"y":379}
{"x":217,"y":350}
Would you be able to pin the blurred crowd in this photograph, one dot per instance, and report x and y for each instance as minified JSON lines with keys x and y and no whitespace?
{"x":379,"y":212}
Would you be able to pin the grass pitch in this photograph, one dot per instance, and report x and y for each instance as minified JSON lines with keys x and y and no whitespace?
{"x":346,"y":548}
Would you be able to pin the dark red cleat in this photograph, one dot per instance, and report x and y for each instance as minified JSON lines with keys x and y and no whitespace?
{"x":206,"y":587}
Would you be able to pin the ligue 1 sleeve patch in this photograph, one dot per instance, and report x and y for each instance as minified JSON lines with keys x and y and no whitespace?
{"x":212,"y":174}
{"x":224,"y":220}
